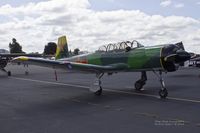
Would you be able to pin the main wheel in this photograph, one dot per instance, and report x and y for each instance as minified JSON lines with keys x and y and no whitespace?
{"x":163,"y":93}
{"x":139,"y":84}
{"x":99,"y":92}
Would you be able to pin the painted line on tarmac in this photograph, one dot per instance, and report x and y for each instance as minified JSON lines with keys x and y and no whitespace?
{"x":54,"y":83}
{"x":109,"y":90}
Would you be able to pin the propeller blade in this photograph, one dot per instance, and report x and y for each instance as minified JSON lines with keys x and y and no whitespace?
{"x":178,"y":57}
{"x":182,"y":56}
{"x":170,"y":58}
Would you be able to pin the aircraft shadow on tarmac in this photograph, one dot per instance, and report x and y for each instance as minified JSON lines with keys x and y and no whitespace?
{"x":84,"y":101}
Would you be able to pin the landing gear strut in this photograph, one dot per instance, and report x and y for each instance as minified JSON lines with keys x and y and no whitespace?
{"x":163,"y":91}
{"x":26,"y":67}
{"x":96,"y":86}
{"x":141,"y":82}
{"x":7,"y":72}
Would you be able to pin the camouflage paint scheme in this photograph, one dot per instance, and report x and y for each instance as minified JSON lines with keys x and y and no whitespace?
{"x":137,"y":59}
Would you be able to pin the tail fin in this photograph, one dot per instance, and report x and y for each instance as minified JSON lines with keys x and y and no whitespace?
{"x":62,"y":48}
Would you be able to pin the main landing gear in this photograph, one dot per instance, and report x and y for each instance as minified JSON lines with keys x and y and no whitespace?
{"x":96,"y":85}
{"x":141,"y":82}
{"x":163,"y":91}
{"x":97,"y":89}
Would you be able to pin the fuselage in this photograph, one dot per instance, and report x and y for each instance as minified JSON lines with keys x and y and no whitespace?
{"x":137,"y":59}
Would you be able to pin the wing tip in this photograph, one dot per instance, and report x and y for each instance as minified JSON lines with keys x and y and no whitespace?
{"x":21,"y":58}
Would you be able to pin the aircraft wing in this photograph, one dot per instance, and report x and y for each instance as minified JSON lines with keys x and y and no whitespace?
{"x":20,"y":54}
{"x":71,"y":66}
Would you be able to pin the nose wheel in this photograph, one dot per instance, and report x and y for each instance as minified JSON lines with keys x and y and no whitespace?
{"x":163,"y":93}
{"x":99,"y":92}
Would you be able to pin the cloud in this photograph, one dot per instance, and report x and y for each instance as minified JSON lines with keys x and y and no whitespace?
{"x":166,"y":3}
{"x":198,"y":3}
{"x":51,"y":6}
{"x":179,"y":5}
{"x":35,"y":24}
{"x":111,"y":1}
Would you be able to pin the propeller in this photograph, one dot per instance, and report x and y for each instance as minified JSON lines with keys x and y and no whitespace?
{"x":173,"y":56}
{"x":179,"y":57}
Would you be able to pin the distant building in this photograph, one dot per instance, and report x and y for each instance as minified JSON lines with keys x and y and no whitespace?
{"x":4,"y":51}
{"x":194,"y":61}
{"x":82,"y":52}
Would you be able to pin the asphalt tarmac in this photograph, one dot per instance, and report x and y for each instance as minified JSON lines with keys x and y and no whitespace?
{"x":36,"y":103}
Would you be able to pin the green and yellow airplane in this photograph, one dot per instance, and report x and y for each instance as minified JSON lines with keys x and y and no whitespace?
{"x":128,"y":56}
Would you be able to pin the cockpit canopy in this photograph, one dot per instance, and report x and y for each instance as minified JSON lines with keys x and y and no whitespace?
{"x":120,"y":46}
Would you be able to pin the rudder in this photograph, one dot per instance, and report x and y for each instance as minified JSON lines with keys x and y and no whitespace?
{"x":62,"y":48}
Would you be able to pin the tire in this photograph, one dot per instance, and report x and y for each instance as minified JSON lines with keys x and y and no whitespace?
{"x":163,"y":93}
{"x":99,"y":92}
{"x":138,"y":85}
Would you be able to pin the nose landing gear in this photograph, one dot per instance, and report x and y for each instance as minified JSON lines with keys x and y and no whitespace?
{"x":163,"y":93}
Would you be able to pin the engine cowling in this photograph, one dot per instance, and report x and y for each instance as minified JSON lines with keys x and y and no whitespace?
{"x":172,"y":56}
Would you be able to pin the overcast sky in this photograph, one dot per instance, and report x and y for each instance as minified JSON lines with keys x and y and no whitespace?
{"x":89,"y":24}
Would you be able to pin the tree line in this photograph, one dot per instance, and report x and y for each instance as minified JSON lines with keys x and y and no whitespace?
{"x":49,"y":49}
